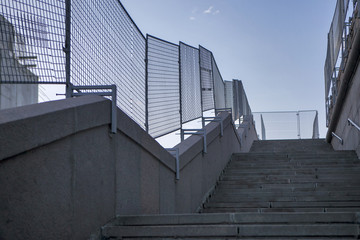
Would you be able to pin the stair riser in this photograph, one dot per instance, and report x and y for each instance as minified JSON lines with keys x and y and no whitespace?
{"x":321,"y":230}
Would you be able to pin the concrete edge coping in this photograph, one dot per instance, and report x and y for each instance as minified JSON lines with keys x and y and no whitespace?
{"x":64,"y":118}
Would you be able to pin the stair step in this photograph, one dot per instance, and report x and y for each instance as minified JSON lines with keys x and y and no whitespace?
{"x":218,"y":198}
{"x":297,"y":189}
{"x":282,"y":204}
{"x":235,"y":218}
{"x":251,"y":230}
{"x":279,"y":210}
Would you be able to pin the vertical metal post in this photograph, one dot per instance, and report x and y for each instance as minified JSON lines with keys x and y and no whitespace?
{"x":180,"y":91}
{"x":263,"y":131}
{"x":146,"y":86}
{"x":298,"y":124}
{"x":177,"y":164}
{"x":205,"y":142}
{"x":113,"y":109}
{"x":213,"y":80}
{"x":201,"y":91}
{"x":67,"y":48}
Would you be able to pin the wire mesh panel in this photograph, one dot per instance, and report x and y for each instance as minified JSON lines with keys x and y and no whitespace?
{"x":207,"y":83}
{"x":108,"y":48}
{"x":163,"y":86}
{"x":219,"y":87}
{"x":229,"y":97}
{"x":190,"y":83}
{"x":31,"y":41}
{"x":236,"y":101}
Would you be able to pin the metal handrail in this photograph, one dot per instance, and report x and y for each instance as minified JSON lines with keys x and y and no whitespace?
{"x":350,"y":122}
{"x":339,"y":138}
{"x":213,"y":119}
{"x":111,"y":92}
{"x":201,"y":132}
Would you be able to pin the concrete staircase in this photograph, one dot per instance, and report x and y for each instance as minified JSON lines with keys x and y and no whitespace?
{"x":294,"y":189}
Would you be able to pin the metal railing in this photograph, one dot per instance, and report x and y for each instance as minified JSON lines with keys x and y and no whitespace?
{"x":339,"y":42}
{"x":160,"y":85}
{"x":352,"y":123}
{"x":201,"y":132}
{"x":302,"y":124}
{"x":94,"y":90}
{"x":338,"y":138}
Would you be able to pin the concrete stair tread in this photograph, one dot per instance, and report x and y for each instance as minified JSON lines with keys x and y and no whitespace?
{"x":234,"y":218}
{"x":248,"y":230}
{"x":265,"y":204}
{"x":280,"y":210}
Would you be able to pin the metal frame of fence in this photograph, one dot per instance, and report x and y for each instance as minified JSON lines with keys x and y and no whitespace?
{"x":298,"y":128}
{"x":161,"y":85}
{"x":337,"y":50}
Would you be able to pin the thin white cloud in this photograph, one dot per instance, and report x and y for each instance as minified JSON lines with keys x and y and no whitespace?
{"x":192,"y":18}
{"x":209,"y":10}
{"x":216,"y":12}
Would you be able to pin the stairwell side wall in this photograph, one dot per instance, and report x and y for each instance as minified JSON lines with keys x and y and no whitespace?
{"x":348,"y":103}
{"x":63,"y":174}
{"x":351,"y":110}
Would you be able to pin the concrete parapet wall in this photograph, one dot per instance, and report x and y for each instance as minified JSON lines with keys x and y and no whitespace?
{"x":351,"y":110}
{"x":348,"y":100}
{"x":63,"y":174}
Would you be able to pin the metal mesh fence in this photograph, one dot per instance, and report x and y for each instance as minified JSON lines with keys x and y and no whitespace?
{"x":287,"y":125}
{"x":163,"y":86}
{"x":229,"y":98}
{"x":241,"y":99}
{"x":337,"y":50}
{"x":108,"y":48}
{"x":190,"y":83}
{"x":219,"y":86}
{"x":31,"y":41}
{"x":207,"y":83}
{"x":159,"y":84}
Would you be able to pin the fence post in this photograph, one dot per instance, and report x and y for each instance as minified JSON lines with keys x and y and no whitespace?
{"x":66,"y":49}
{"x":298,"y":124}
{"x":146,"y":85}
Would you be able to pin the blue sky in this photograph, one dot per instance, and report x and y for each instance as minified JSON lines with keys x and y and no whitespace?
{"x":277,"y":48}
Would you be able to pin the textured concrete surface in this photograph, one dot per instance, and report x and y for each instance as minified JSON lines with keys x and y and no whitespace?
{"x":63,"y":174}
{"x":348,"y":100}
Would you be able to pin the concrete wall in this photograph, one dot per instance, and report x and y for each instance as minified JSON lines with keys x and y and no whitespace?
{"x":63,"y":174}
{"x":348,"y":102}
{"x":350,"y":109}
